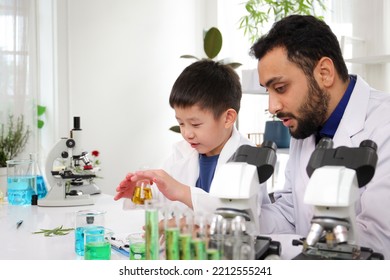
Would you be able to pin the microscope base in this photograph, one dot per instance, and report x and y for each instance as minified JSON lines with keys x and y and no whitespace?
{"x":78,"y":200}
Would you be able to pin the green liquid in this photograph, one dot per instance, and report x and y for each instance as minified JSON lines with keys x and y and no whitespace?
{"x":185,"y":246}
{"x":97,"y":251}
{"x":151,"y":235}
{"x":213,"y":254}
{"x":137,"y":251}
{"x":172,"y":243}
{"x":198,"y":248}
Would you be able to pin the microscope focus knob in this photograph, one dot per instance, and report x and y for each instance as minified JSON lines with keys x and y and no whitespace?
{"x":64,"y":154}
{"x":70,"y":143}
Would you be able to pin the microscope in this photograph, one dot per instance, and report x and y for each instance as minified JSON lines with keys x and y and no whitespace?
{"x":67,"y":166}
{"x":235,"y":227}
{"x":335,"y":178}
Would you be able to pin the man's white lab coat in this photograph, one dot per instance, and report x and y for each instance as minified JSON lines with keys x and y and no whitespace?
{"x":367,"y":116}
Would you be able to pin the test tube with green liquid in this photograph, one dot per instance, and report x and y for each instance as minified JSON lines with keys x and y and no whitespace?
{"x":152,"y":246}
{"x":172,"y":232}
{"x":185,"y":236}
{"x":198,"y":244}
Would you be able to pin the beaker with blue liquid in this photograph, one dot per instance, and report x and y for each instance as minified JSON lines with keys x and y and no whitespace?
{"x":24,"y":181}
{"x":87,"y":220}
{"x":21,"y":181}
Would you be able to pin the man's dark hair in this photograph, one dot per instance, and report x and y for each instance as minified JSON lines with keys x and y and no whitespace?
{"x":208,"y":84}
{"x":306,"y":40}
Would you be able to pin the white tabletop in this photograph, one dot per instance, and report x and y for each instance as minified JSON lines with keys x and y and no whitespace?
{"x":21,"y":244}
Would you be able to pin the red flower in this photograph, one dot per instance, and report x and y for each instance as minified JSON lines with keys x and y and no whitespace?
{"x":95,"y":153}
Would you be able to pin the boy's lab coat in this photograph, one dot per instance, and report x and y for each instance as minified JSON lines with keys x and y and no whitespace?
{"x":367,"y":116}
{"x":183,"y":165}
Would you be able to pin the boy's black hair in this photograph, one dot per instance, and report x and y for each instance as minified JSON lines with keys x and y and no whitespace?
{"x":306,"y":39}
{"x":208,"y":84}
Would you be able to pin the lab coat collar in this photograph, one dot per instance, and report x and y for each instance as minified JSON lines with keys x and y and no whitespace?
{"x":350,"y":124}
{"x":353,"y":123}
{"x":230,"y":147}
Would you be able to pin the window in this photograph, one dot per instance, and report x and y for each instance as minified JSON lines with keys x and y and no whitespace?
{"x":17,"y":62}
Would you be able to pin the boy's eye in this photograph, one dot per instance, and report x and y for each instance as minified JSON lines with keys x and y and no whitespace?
{"x":196,"y":124}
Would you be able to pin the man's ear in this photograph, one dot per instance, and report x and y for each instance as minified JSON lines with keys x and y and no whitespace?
{"x":325,"y":72}
{"x":230,"y":117}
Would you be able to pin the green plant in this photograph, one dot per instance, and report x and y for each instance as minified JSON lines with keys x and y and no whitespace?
{"x":56,"y":231}
{"x":13,"y":139}
{"x":212,"y":45}
{"x":260,"y":12}
{"x":40,"y":111}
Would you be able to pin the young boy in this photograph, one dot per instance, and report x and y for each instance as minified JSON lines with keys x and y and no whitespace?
{"x":206,"y":99}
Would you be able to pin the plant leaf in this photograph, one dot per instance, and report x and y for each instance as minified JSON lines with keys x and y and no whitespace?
{"x":212,"y":42}
{"x":41,"y":110}
{"x":189,"y":56}
{"x":56,"y":231}
{"x":175,"y":128}
{"x":41,"y":123}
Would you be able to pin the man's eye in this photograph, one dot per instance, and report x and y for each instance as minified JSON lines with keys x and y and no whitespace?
{"x":280,"y":89}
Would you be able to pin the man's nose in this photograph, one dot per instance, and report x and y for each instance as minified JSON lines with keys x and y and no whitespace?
{"x":274,"y":105}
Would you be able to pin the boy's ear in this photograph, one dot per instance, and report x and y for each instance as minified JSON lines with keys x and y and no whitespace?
{"x":231,"y":117}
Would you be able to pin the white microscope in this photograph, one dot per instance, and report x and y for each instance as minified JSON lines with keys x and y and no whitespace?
{"x":67,"y":164}
{"x":237,"y":185}
{"x":335,"y":178}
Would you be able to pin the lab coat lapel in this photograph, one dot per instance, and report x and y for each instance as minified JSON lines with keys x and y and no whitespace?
{"x":230,"y":147}
{"x":353,"y":123}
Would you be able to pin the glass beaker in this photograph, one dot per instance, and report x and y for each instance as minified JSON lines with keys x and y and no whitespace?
{"x":142,"y":192}
{"x":137,"y":245}
{"x":97,"y":246}
{"x":86,"y":220}
{"x":21,"y":181}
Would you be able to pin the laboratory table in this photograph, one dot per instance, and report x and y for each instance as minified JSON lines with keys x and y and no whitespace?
{"x":19,"y":243}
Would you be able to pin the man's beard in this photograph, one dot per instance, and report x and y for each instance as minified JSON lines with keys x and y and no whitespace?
{"x":312,"y":113}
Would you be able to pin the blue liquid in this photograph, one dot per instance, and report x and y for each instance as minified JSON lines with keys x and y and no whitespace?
{"x":20,"y":189}
{"x":41,"y":187}
{"x":79,"y":237}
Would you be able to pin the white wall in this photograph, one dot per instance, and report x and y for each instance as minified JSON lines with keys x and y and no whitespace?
{"x":123,"y":58}
{"x":116,"y":61}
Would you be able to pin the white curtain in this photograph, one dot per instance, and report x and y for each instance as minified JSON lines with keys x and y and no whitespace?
{"x":18,"y":64}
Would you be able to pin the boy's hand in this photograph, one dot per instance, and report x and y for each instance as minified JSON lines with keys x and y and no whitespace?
{"x":168,"y":186}
{"x":126,"y":188}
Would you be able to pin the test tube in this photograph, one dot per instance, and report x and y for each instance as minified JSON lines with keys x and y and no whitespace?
{"x":215,"y":245}
{"x":152,"y":246}
{"x":172,"y":232}
{"x":185,"y":236}
{"x":198,"y":244}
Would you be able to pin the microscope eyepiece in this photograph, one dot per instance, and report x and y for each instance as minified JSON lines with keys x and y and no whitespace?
{"x":76,"y":123}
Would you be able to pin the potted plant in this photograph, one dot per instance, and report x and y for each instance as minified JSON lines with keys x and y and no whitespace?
{"x":212,"y":45}
{"x":13,"y":139}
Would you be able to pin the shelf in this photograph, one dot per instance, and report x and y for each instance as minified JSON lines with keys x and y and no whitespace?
{"x":255,"y":91}
{"x":375,"y":59}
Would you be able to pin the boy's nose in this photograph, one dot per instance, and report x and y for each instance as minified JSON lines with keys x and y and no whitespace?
{"x":188,"y":133}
